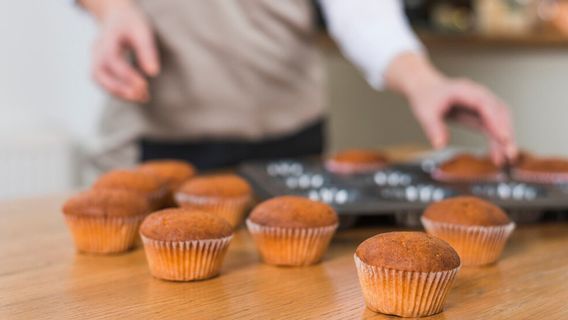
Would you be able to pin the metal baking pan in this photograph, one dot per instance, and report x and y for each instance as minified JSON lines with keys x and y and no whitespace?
{"x":403,"y":190}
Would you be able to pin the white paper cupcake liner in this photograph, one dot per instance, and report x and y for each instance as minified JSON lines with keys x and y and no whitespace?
{"x":351,"y":168}
{"x":103,"y":235}
{"x":291,"y":246}
{"x":442,"y":176}
{"x":404,"y":293}
{"x":539,"y":177}
{"x":185,"y":260}
{"x":231,"y":209}
{"x":476,"y":245}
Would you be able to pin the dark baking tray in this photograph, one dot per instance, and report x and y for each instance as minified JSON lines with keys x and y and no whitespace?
{"x":403,"y":188}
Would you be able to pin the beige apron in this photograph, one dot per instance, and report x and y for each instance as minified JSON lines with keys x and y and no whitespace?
{"x":231,"y":69}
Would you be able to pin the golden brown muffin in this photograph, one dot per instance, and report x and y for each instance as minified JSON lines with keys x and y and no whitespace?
{"x":408,"y":251}
{"x":293,"y":212}
{"x":175,"y":172}
{"x":106,"y":203}
{"x":550,"y":165}
{"x":292,"y":230}
{"x":467,"y":210}
{"x":178,"y":224}
{"x":477,"y":229}
{"x":105,"y":221}
{"x":407,"y":274}
{"x":227,"y":185}
{"x":185,"y":245}
{"x":354,"y":161}
{"x":541,"y":169}
{"x":228,"y":196}
{"x":523,"y":156}
{"x":151,"y":187}
{"x":468,"y":167}
{"x":129,"y":180}
{"x":360,"y":156}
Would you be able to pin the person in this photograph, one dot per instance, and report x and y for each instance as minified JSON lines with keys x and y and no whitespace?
{"x":217,"y":82}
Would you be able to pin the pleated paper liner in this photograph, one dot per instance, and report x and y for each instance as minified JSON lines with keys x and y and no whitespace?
{"x":539,"y":177}
{"x":351,"y":168}
{"x":442,"y":176}
{"x":291,"y":246}
{"x":185,"y":260}
{"x":231,"y":209}
{"x":103,"y":235}
{"x":404,"y":293}
{"x":476,"y":245}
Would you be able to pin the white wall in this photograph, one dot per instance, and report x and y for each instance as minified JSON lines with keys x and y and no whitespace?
{"x":44,"y":74}
{"x":48,"y":106}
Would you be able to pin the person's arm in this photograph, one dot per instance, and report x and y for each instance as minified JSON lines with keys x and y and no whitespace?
{"x":123,"y":29}
{"x":375,"y":36}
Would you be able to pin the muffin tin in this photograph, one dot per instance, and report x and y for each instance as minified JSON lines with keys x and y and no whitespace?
{"x":401,"y":190}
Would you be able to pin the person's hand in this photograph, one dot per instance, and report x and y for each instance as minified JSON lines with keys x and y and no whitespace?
{"x":124,"y":30}
{"x":467,"y":103}
{"x":435,"y":98}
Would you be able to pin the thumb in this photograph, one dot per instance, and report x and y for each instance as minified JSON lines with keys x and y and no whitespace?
{"x":146,"y":51}
{"x":496,"y":152}
{"x":435,"y":130}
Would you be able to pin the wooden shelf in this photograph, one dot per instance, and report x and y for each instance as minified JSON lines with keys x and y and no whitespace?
{"x":448,"y":40}
{"x":535,"y":40}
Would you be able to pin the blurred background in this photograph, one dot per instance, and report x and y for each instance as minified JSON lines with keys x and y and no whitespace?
{"x":49,"y":107}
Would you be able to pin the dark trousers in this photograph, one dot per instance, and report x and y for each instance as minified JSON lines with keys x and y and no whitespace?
{"x":221,"y":154}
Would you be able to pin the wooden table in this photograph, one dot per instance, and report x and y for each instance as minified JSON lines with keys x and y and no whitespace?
{"x":42,"y":277}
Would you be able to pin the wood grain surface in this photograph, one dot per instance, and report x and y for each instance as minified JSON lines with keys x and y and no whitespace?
{"x":41,"y":277}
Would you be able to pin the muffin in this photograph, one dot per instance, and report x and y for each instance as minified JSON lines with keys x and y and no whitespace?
{"x":105,"y":221}
{"x":151,"y":187}
{"x":477,"y":229}
{"x":184,"y":244}
{"x":173,"y":172}
{"x":354,"y":161}
{"x":408,"y":274}
{"x":523,"y":156}
{"x":541,"y":169}
{"x":467,"y":167}
{"x":228,"y":196}
{"x":292,"y":230}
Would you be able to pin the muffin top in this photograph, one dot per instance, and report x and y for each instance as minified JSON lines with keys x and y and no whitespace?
{"x":549,"y":164}
{"x":293,"y":212}
{"x":175,"y":172}
{"x":359,"y":156}
{"x":467,"y":165}
{"x":178,"y":224}
{"x":523,"y":156}
{"x":228,"y":185}
{"x":131,"y":180}
{"x":466,"y":210}
{"x":408,"y":251}
{"x":106,"y":203}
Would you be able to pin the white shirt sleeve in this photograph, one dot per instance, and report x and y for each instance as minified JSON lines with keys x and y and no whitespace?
{"x":370,"y":33}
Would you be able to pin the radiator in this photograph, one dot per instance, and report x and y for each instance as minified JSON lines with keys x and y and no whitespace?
{"x":35,"y":164}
